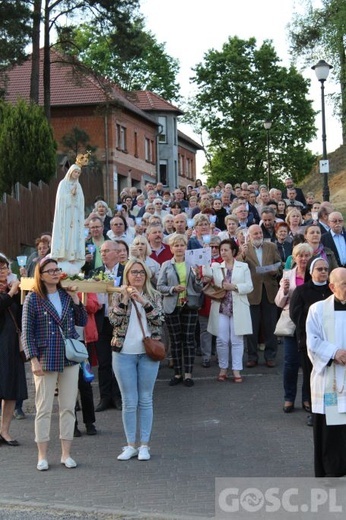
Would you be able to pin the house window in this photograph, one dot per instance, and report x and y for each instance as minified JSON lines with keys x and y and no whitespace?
{"x":188,"y":167}
{"x":121,"y":138}
{"x":163,"y":129}
{"x":163,"y":172}
{"x":149,"y":150}
{"x":181,"y":165}
{"x":136,"y":144}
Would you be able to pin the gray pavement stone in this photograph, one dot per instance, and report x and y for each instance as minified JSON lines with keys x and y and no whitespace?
{"x":211,"y":430}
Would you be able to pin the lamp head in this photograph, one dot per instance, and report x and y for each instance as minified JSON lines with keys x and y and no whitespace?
{"x":322,"y":69}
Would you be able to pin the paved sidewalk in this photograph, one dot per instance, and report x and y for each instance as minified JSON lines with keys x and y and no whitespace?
{"x":211,"y":430}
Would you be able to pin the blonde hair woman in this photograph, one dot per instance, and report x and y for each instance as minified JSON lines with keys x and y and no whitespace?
{"x":135,"y":372}
{"x":141,"y":249}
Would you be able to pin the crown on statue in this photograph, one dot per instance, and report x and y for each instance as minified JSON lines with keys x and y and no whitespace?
{"x":82,"y":159}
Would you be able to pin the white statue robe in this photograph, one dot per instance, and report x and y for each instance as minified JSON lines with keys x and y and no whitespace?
{"x":68,"y":241}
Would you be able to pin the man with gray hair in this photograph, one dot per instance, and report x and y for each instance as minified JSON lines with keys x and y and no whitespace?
{"x":335,"y":238}
{"x":160,"y":251}
{"x":268,"y":223}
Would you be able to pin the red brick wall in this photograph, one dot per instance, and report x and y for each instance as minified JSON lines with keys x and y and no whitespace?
{"x":130,"y":169}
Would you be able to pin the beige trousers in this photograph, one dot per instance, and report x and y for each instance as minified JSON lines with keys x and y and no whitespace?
{"x":67,"y":382}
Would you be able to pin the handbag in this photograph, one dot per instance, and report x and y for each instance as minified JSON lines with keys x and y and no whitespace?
{"x":75,"y":350}
{"x":154,"y":348}
{"x":285,"y":326}
{"x":213,"y":291}
{"x":19,"y":333}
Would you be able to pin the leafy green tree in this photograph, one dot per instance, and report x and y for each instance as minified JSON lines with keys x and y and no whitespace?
{"x":144,"y":65}
{"x":14,"y":31}
{"x":27,"y":146}
{"x":239,"y":88}
{"x":103,"y":13}
{"x":320,"y":33}
{"x":75,"y":140}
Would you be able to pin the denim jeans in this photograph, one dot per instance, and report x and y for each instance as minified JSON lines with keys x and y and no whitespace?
{"x":291,"y":368}
{"x":136,"y":375}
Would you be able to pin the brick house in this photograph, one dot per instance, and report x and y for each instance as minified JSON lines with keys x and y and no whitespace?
{"x":135,"y":135}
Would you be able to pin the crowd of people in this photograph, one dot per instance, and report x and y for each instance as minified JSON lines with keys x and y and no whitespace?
{"x":269,"y":250}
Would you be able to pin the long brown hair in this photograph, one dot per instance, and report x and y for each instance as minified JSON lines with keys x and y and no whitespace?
{"x":39,"y":286}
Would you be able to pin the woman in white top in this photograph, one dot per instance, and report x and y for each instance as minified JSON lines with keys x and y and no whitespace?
{"x":135,"y":372}
{"x":141,"y":249}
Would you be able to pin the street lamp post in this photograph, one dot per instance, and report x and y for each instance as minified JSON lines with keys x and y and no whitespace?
{"x":267,"y":125}
{"x":322,"y":69}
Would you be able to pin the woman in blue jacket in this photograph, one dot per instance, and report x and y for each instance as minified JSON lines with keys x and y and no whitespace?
{"x":47,"y":310}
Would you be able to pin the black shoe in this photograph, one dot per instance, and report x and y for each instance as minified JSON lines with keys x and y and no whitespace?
{"x":289,"y":408}
{"x":175,"y":381}
{"x":309,"y":420}
{"x":90,"y":429}
{"x":117,"y":403}
{"x":103,"y":405}
{"x":206,"y":364}
{"x":189,"y":382}
{"x":9,"y":443}
{"x":77,"y":432}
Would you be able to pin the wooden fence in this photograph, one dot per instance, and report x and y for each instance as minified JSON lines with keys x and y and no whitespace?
{"x":30,"y":211}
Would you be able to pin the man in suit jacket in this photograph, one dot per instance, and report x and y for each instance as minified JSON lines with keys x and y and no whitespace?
{"x":257,"y":253}
{"x":110,"y":396}
{"x":335,"y":238}
{"x":299,"y":192}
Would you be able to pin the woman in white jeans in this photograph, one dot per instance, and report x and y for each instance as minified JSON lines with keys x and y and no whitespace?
{"x":230,"y":318}
{"x":135,"y":372}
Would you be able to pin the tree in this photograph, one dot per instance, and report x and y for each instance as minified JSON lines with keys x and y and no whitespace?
{"x":239,"y":88}
{"x":27,"y":146}
{"x":146,"y":67}
{"x":77,"y":141}
{"x":14,"y":31}
{"x":320,"y":32}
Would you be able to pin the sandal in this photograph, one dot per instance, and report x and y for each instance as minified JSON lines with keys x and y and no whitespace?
{"x":237,"y":379}
{"x":222,"y":377}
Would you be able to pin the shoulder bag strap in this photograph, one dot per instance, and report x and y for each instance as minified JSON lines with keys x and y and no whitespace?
{"x":14,"y":321}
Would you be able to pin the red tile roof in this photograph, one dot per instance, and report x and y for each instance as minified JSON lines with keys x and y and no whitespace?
{"x":150,"y":101}
{"x":67,"y":86}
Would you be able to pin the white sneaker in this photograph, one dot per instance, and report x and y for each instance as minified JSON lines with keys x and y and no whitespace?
{"x":143,"y":453}
{"x":127,"y":453}
{"x":69,"y":463}
{"x":42,"y":465}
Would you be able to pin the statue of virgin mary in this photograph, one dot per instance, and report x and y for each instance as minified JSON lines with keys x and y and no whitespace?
{"x":68,"y":241}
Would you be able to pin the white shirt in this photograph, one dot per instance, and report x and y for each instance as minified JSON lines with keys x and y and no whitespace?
{"x":133,"y":343}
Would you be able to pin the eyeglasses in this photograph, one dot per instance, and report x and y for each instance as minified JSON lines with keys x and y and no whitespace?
{"x":107,"y":250}
{"x":4,"y":268}
{"x":137,"y":273}
{"x":320,"y":269}
{"x":52,"y":272}
{"x":96,"y":227}
{"x":336,"y":221}
{"x":215,"y":247}
{"x":158,"y":203}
